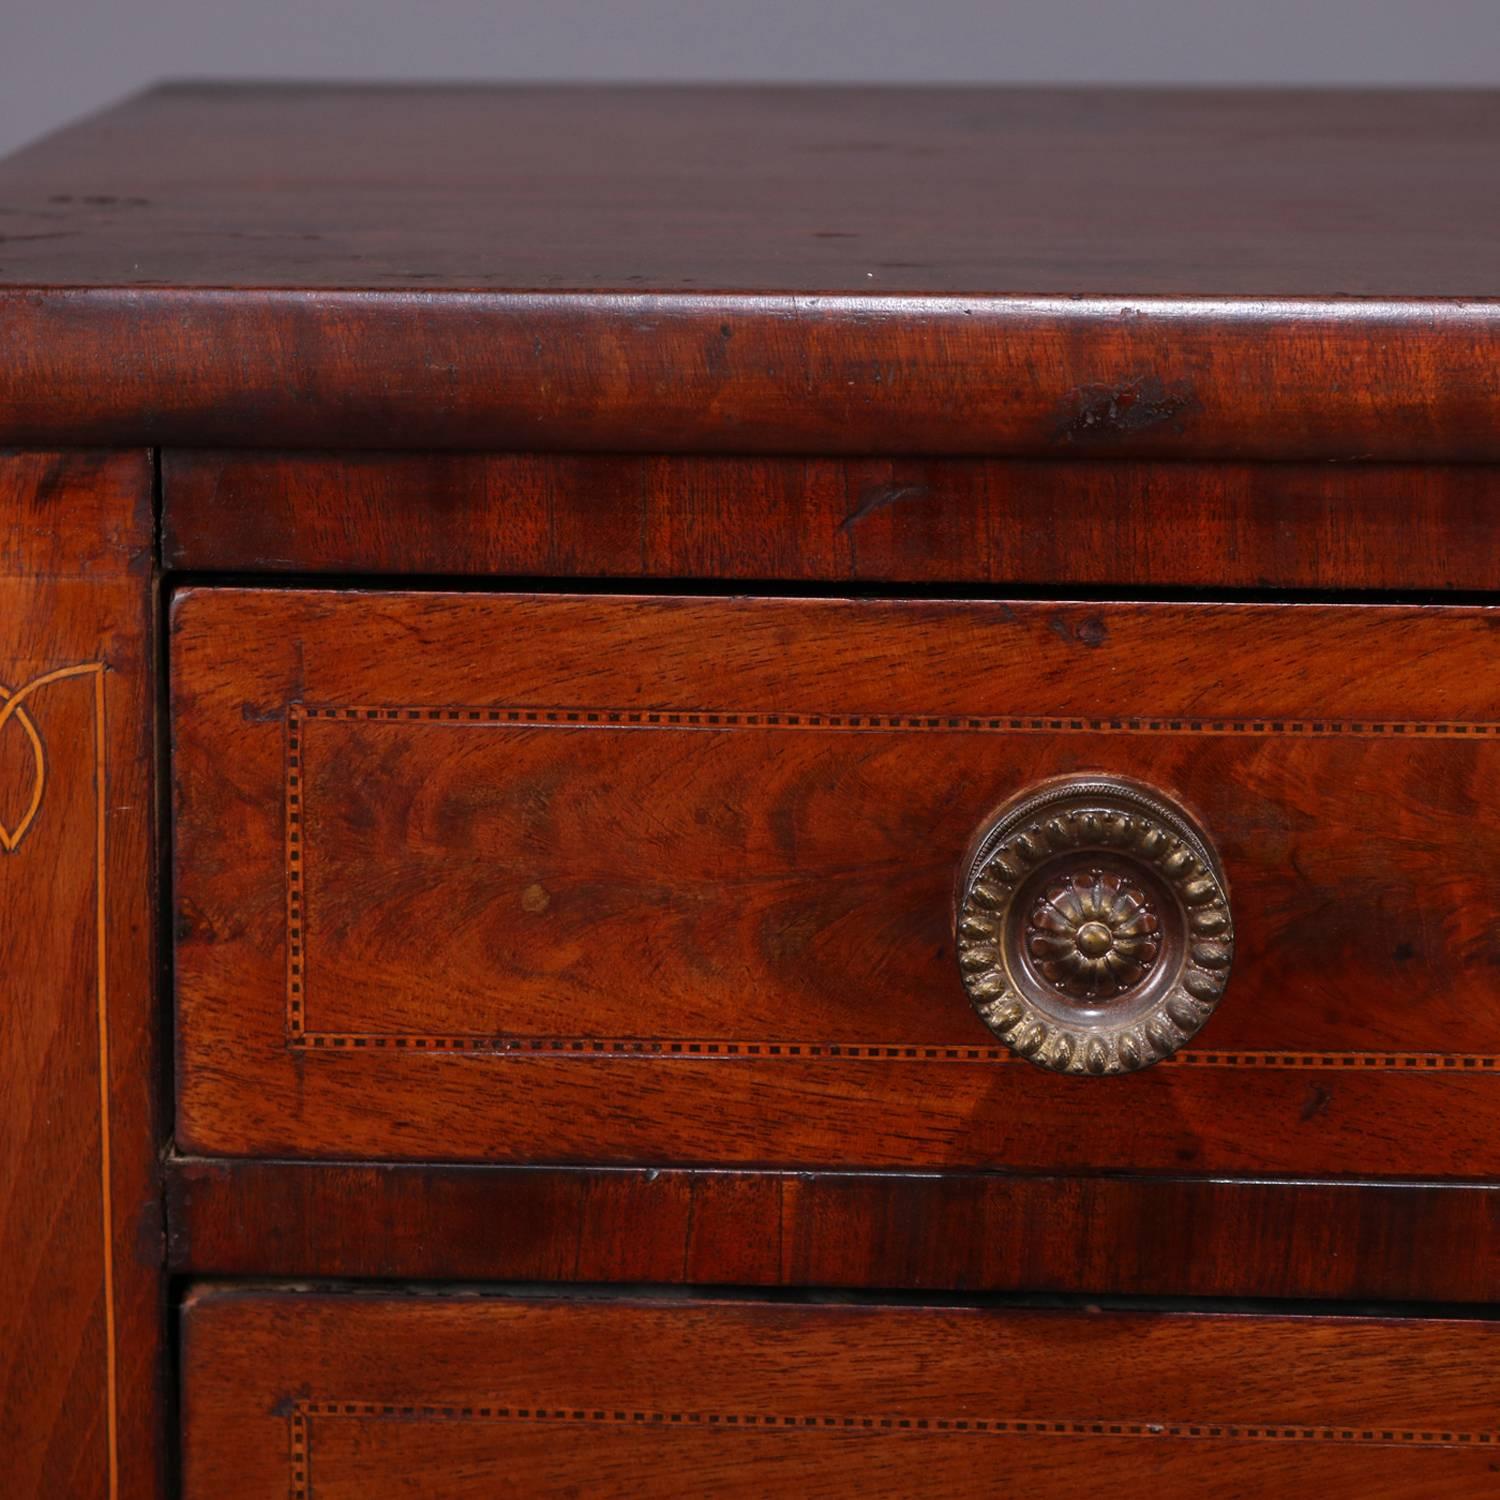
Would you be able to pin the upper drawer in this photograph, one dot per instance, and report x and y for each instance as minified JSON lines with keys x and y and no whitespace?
{"x":673,"y":880}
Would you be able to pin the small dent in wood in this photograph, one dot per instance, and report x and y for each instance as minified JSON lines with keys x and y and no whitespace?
{"x":1091,"y":631}
{"x":1124,"y":409}
{"x":1317,"y":1102}
{"x":876,"y":497}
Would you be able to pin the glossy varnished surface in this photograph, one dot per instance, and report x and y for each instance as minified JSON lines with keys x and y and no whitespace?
{"x":81,"y":1289}
{"x":1269,"y":274}
{"x":1058,"y":525}
{"x":326,"y":1397}
{"x":945,"y":191}
{"x":521,"y":878}
{"x":961,"y":1232}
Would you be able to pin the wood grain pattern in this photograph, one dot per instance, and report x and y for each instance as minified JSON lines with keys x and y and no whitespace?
{"x":961,"y":1232}
{"x":1053,"y":524}
{"x":464,"y":881}
{"x":659,"y":374}
{"x":382,"y":1395}
{"x":81,"y":1321}
{"x":1271,"y":193}
{"x":1215,"y":274}
{"x":624,"y":886}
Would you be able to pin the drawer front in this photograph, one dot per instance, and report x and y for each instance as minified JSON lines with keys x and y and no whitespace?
{"x":359,"y":1397}
{"x":661,"y":880}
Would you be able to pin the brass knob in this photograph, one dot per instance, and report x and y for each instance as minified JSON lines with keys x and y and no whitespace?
{"x":1093,"y":928}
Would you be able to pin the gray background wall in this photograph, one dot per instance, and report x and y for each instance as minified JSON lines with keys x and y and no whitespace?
{"x":61,"y":58}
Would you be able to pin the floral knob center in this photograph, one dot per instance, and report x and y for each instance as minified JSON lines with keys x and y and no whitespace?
{"x":1093,"y":934}
{"x":1094,"y":939}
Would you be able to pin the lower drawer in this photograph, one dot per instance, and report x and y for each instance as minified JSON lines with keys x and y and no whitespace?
{"x":373,"y":1395}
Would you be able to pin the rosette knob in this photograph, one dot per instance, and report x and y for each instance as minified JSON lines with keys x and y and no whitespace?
{"x":1094,"y":932}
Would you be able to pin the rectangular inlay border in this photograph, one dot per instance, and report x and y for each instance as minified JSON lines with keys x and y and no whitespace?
{"x":303,"y":1414}
{"x":13,"y":705}
{"x":301,"y":1037}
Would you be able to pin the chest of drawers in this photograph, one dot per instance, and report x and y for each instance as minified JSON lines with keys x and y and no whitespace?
{"x":751,"y":791}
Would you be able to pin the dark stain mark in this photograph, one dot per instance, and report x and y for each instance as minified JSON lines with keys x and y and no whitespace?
{"x":1139,"y":405}
{"x":877,"y":496}
{"x":716,"y":356}
{"x":1404,"y":952}
{"x":56,"y":234}
{"x":149,"y":1241}
{"x":1091,"y":632}
{"x":51,"y":487}
{"x":834,"y":234}
{"x":100,"y":200}
{"x":1318,"y":1099}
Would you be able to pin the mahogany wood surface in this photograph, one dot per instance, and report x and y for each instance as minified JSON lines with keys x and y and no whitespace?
{"x":81,"y":1287}
{"x":669,"y":881}
{"x":373,"y":1396}
{"x":1291,"y":274}
{"x":536,"y":938}
{"x":1256,"y":193}
{"x":959,"y":1232}
{"x":1052,"y":524}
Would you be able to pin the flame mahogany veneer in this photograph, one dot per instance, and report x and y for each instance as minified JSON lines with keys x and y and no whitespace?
{"x":338,"y":1396}
{"x":499,"y":821}
{"x":524,"y":878}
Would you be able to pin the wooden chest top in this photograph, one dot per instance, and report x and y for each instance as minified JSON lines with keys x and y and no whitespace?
{"x":1248,"y":274}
